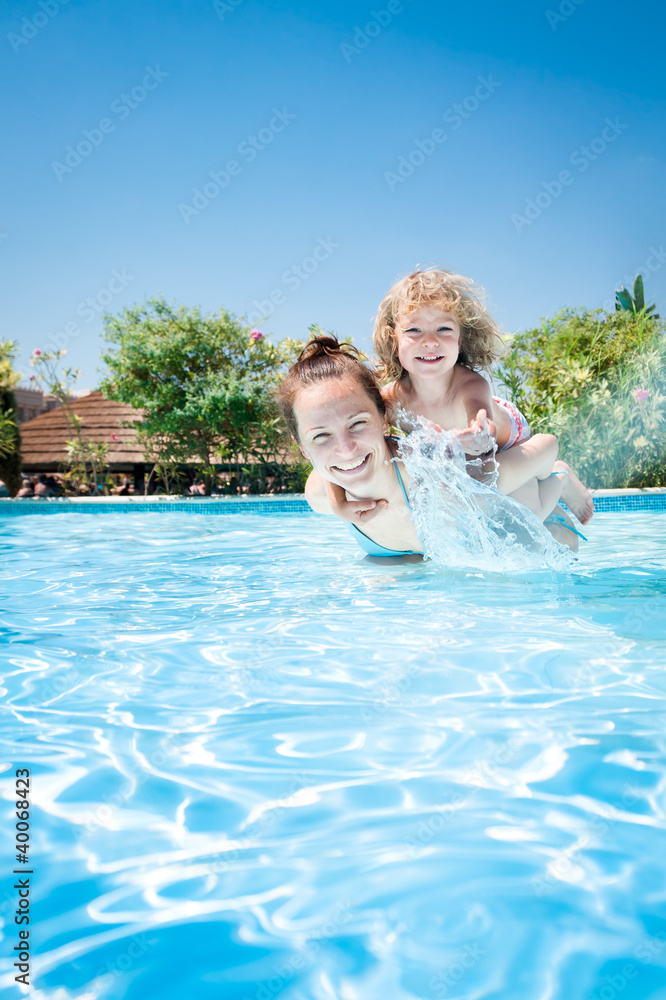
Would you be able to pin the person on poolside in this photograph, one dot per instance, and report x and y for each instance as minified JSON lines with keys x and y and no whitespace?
{"x":335,"y":411}
{"x":26,"y":489}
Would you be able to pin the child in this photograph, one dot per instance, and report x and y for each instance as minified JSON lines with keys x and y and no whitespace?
{"x":432,"y":336}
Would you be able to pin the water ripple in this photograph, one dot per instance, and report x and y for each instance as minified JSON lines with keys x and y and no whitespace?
{"x":264,"y":766}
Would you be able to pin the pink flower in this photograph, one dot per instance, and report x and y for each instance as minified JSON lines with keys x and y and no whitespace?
{"x":33,"y":378}
{"x":256,"y":335}
{"x":114,"y":437}
{"x":36,"y":352}
{"x":641,"y":394}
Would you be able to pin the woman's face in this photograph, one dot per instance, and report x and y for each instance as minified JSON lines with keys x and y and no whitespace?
{"x":428,"y":341}
{"x":341,"y":431}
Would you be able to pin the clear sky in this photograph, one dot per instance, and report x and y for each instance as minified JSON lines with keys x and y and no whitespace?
{"x":308,"y":114}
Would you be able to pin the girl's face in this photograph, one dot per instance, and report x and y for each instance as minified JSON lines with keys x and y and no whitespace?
{"x":428,"y":342}
{"x":341,"y":431}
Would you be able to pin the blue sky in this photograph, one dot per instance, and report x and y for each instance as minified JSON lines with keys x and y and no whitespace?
{"x":337,"y":98}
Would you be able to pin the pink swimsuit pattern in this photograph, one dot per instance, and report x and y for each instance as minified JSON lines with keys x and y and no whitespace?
{"x":520,"y":430}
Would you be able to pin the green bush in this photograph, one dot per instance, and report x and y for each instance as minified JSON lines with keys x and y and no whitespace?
{"x":205,"y":384}
{"x":10,"y":439}
{"x":597,"y":381}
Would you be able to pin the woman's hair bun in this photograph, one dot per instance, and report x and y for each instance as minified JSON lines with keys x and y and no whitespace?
{"x":327,"y":345}
{"x":324,"y":357}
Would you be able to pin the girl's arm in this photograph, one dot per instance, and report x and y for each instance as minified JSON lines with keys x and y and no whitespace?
{"x":478,"y":437}
{"x":329,"y":498}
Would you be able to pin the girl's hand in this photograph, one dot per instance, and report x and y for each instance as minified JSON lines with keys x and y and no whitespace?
{"x":479,"y":436}
{"x":359,"y":512}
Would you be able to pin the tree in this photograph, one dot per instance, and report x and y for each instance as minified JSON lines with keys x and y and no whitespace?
{"x":597,"y":381}
{"x":204,"y":383}
{"x":10,"y":438}
{"x":87,"y":460}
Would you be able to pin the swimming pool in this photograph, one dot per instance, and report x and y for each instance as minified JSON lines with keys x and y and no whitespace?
{"x":263,"y":766}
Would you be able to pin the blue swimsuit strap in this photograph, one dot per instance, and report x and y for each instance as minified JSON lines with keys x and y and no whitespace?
{"x":374,"y":548}
{"x":397,"y":470}
{"x":558,"y":519}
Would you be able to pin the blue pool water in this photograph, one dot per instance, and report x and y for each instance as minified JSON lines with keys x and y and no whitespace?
{"x":263,"y":766}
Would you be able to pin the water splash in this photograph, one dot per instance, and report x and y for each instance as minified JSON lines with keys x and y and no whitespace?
{"x":475,"y":526}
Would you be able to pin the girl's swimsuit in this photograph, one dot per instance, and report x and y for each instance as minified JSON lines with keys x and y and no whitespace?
{"x":374,"y":548}
{"x":520,"y":430}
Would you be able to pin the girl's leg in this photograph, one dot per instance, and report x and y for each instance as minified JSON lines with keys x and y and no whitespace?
{"x":559,"y":530}
{"x":550,"y":491}
{"x":529,"y":496}
{"x":541,"y":496}
{"x":577,"y":498}
{"x":522,"y":462}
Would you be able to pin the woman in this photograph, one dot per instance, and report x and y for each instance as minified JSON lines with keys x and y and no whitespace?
{"x":335,"y":411}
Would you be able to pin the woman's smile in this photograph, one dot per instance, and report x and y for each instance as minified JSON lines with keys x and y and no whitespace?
{"x":357,"y":465}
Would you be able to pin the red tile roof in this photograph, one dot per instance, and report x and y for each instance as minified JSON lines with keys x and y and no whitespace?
{"x":43,"y":438}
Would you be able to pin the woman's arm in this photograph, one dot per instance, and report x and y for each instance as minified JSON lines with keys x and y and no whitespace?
{"x":315,"y":493}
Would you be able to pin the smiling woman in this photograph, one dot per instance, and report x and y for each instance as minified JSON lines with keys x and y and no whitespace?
{"x":335,"y":411}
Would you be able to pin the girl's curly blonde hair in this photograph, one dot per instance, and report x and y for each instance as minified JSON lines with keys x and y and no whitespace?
{"x":480,"y":342}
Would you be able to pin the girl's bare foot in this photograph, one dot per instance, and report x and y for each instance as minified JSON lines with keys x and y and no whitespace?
{"x":576,"y":496}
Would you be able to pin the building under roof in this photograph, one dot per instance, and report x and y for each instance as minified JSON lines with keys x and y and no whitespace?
{"x":43,"y":438}
{"x":31,"y":402}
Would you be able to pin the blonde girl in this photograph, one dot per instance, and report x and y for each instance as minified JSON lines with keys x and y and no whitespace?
{"x":433,"y":337}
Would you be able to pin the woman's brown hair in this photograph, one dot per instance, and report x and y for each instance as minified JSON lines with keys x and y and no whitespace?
{"x":322,"y":358}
